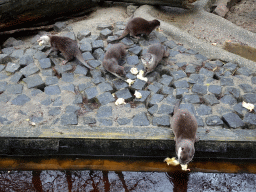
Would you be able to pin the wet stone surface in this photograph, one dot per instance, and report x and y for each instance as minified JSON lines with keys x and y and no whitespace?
{"x":38,"y":89}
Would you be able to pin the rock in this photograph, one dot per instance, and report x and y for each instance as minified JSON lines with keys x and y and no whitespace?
{"x":82,"y":34}
{"x":106,"y":122}
{"x":139,"y":84}
{"x":89,"y":120}
{"x":155,"y":87}
{"x":45,"y":63}
{"x":181,"y":84}
{"x":3,"y":86}
{"x":228,"y":99}
{"x":196,"y":79}
{"x":246,"y":88}
{"x":78,"y":99}
{"x":189,"y":107}
{"x":124,"y":93}
{"x":16,"y":54}
{"x":244,"y":71}
{"x":132,"y":60}
{"x":11,"y":42}
{"x":166,"y":109}
{"x":230,"y":66}
{"x":194,"y":99}
{"x":233,"y":120}
{"x":221,"y":8}
{"x":86,"y":47}
{"x":26,"y":60}
{"x":144,"y":97}
{"x":167,"y":90}
{"x":131,"y":9}
{"x":249,"y":98}
{"x":204,"y":110}
{"x":97,"y":44}
{"x":34,"y":81}
{"x":51,"y":80}
{"x":140,"y":120}
{"x":87,"y":56}
{"x":81,"y":70}
{"x":135,"y":50}
{"x":119,"y":84}
{"x":29,"y":70}
{"x":250,"y":120}
{"x":123,"y":121}
{"x":201,"y":57}
{"x":104,"y":87}
{"x":152,"y":110}
{"x":14,"y":88}
{"x":213,"y":121}
{"x":155,"y":99}
{"x":20,"y":100}
{"x":166,"y":80}
{"x":162,"y":121}
{"x":12,"y":67}
{"x":91,"y":93}
{"x":4,"y":58}
{"x":69,"y":119}
{"x":98,"y":53}
{"x":46,"y":102}
{"x":2,"y":67}
{"x":104,"y":26}
{"x":57,"y":102}
{"x":170,"y":44}
{"x":67,"y":77}
{"x":190,"y":69}
{"x":94,"y":63}
{"x":210,"y":99}
{"x":54,"y":111}
{"x":199,"y":89}
{"x":226,"y":82}
{"x":215,"y":89}
{"x":104,"y":111}
{"x":178,"y":74}
{"x":59,"y":26}
{"x":105,"y":33}
{"x":127,"y":41}
{"x":52,"y":90}
{"x":105,"y":98}
{"x":206,"y":72}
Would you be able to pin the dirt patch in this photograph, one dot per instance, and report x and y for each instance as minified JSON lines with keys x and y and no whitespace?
{"x":243,"y":14}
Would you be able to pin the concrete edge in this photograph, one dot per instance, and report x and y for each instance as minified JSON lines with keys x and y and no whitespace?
{"x":210,"y":51}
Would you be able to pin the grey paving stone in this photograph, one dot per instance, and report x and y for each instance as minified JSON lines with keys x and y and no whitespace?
{"x":20,"y":100}
{"x":87,"y":56}
{"x":7,"y":50}
{"x":173,"y":53}
{"x":244,"y":71}
{"x":104,"y":111}
{"x":204,"y":110}
{"x":136,"y":50}
{"x":119,"y":84}
{"x":123,"y":93}
{"x":228,"y":99}
{"x":155,"y":87}
{"x":47,"y":72}
{"x":58,"y":26}
{"x":196,"y":79}
{"x":4,"y":58}
{"x":189,"y":107}
{"x":3,"y":76}
{"x":194,"y":99}
{"x":54,"y":111}
{"x":105,"y":98}
{"x":127,"y":41}
{"x":57,"y":102}
{"x":39,"y":55}
{"x":166,"y":80}
{"x":16,"y":54}
{"x":178,"y":74}
{"x":69,"y":119}
{"x":29,"y":70}
{"x":72,"y":109}
{"x":140,"y":120}
{"x":98,"y":53}
{"x":67,"y":77}
{"x":104,"y":87}
{"x":91,"y":93}
{"x":46,"y":102}
{"x":34,"y":81}
{"x":12,"y":67}
{"x":206,"y":72}
{"x":70,"y":34}
{"x":63,"y":68}
{"x":86,"y":47}
{"x":246,"y":88}
{"x":162,"y":121}
{"x":123,"y":121}
{"x":45,"y":63}
{"x":81,"y":70}
{"x":250,"y":120}
{"x":105,"y":122}
{"x":104,"y":26}
{"x":200,"y":122}
{"x":105,"y":33}
{"x":4,"y":121}
{"x":182,"y":64}
{"x":239,"y":109}
{"x":132,"y":60}
{"x":89,"y":120}
{"x":14,"y":88}
{"x":78,"y":99}
{"x":97,"y":44}
{"x":70,"y":88}
{"x":215,"y":89}
{"x":2,"y":67}
{"x":34,"y":92}
{"x":155,"y":99}
{"x":181,"y":84}
{"x":36,"y":119}
{"x":213,"y":121}
{"x":170,"y":99}
{"x":166,"y":109}
{"x":170,"y":44}
{"x":16,"y":77}
{"x":221,"y":110}
{"x":83,"y":33}
{"x":82,"y":87}
{"x":180,"y":92}
{"x":52,"y":90}
{"x":98,"y":80}
{"x":210,"y":99}
{"x":51,"y":80}
{"x":4,"y":97}
{"x":249,"y":98}
{"x":3,"y":86}
{"x":139,"y":84}
{"x":201,"y":57}
{"x":226,"y":81}
{"x":11,"y":41}
{"x":233,"y":120}
{"x":253,"y":80}
{"x":144,"y":97}
{"x":199,"y":89}
{"x":167,"y":90}
{"x":230,"y":66}
{"x":111,"y":39}
{"x":190,"y":69}
{"x":152,"y":110}
{"x":233,"y":91}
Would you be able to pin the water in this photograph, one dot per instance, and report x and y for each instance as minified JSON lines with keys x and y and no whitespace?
{"x":105,"y":175}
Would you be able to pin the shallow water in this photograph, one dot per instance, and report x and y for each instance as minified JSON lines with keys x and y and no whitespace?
{"x":89,"y":180}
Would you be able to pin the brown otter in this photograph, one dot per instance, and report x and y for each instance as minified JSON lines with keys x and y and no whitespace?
{"x":184,"y":126}
{"x":138,"y":26}
{"x":68,"y":47}
{"x":111,"y":58}
{"x":154,"y":55}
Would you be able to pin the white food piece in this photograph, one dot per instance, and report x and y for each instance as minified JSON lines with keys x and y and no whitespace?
{"x":248,"y":106}
{"x":40,"y":43}
{"x":140,"y":76}
{"x":113,"y":94}
{"x":134,"y":71}
{"x":130,"y":82}
{"x":120,"y":101}
{"x":184,"y":167}
{"x":138,"y":95}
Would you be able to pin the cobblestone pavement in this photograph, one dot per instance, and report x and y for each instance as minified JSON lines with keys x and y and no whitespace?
{"x":36,"y":91}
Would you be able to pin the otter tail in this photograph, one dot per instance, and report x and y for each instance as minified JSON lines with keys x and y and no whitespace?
{"x":125,"y":33}
{"x":81,"y":59}
{"x":176,"y":107}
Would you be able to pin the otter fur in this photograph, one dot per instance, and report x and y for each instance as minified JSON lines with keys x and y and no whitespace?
{"x":113,"y":55}
{"x":137,"y":26}
{"x":68,"y":47}
{"x":184,"y":126}
{"x":153,"y":56}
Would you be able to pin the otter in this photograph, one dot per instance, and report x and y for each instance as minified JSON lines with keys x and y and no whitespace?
{"x":68,"y":47}
{"x":154,"y":55}
{"x":111,"y":58}
{"x":138,"y":26}
{"x":184,"y":127}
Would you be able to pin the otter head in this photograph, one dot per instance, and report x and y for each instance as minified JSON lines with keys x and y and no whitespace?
{"x":121,"y":71}
{"x":156,"y":24}
{"x":148,"y":61}
{"x":44,"y":40}
{"x":185,"y":151}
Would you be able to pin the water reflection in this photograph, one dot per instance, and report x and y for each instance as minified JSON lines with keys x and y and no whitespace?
{"x":112,"y":181}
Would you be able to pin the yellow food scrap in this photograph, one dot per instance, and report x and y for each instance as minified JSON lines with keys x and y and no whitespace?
{"x":120,"y":101}
{"x":248,"y":106}
{"x":171,"y":161}
{"x":185,"y":167}
{"x":138,"y":95}
{"x":40,"y":43}
{"x":140,"y":76}
{"x":134,"y":71}
{"x":130,"y":82}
